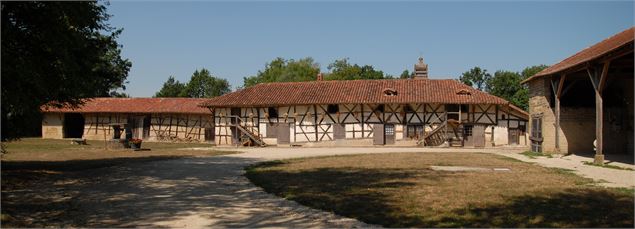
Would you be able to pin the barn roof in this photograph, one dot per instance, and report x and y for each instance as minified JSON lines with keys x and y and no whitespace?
{"x":355,"y":91}
{"x":598,"y":50}
{"x":135,"y":105}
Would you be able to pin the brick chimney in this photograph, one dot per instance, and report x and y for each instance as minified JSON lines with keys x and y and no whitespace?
{"x":320,"y":77}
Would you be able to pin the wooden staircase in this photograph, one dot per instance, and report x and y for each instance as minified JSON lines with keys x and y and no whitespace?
{"x":435,"y":137}
{"x":247,"y":137}
{"x":252,"y":139}
{"x":438,"y":135}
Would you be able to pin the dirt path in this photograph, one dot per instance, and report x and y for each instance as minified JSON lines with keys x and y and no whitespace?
{"x":186,"y":192}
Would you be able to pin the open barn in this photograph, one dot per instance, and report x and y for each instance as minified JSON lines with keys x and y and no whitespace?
{"x":150,"y":119}
{"x":584,"y":104}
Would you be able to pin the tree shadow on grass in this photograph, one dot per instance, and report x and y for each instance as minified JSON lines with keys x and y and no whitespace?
{"x":582,"y":208}
{"x":363,"y":194}
{"x":369,"y":195}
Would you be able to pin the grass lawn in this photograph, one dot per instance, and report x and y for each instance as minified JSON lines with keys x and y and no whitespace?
{"x":37,"y":149}
{"x":401,"y":190}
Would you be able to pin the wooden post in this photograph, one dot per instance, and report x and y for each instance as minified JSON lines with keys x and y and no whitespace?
{"x":598,"y":81}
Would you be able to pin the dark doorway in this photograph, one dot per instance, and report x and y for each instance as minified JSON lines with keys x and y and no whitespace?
{"x":146,"y":126}
{"x":73,"y":125}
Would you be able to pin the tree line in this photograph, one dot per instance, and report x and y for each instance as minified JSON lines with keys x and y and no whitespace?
{"x":504,"y":84}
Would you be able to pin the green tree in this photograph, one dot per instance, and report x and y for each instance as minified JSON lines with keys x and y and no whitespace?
{"x":342,"y":70}
{"x":405,"y":74}
{"x":477,"y":78}
{"x":204,"y":85}
{"x":171,"y":88}
{"x":281,"y":70}
{"x":506,"y":84}
{"x":532,"y":70}
{"x":55,"y":51}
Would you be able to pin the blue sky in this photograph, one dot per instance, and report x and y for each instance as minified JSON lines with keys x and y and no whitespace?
{"x":236,"y":39}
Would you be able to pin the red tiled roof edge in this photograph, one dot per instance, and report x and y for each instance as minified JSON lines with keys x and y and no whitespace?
{"x":590,"y":53}
{"x":133,"y":105}
{"x":354,"y":92}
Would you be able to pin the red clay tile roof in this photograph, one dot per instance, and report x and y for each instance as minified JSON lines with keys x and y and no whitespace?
{"x":597,"y":50}
{"x":136,"y":105}
{"x":354,"y":91}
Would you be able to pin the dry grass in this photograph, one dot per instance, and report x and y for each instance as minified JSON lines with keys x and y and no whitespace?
{"x":400,"y":190}
{"x":36,"y":149}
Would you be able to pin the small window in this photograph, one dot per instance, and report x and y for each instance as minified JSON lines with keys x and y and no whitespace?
{"x":503,"y":117}
{"x":333,"y":108}
{"x":273,"y":112}
{"x":452,"y":108}
{"x":464,"y":108}
{"x":380,"y":108}
{"x":408,"y":109}
{"x":467,"y":130}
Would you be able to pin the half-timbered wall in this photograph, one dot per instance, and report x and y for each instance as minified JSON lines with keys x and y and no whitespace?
{"x":315,"y":123}
{"x":162,"y":127}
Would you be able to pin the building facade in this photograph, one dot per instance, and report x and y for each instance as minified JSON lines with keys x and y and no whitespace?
{"x":409,"y":112}
{"x":150,"y":119}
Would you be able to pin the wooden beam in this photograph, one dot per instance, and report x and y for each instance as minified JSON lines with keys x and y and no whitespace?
{"x":603,"y":76}
{"x":560,"y":86}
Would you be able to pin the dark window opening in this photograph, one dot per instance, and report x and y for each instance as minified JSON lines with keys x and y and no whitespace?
{"x":503,"y":117}
{"x":452,"y":108}
{"x":408,"y":109}
{"x":333,"y":108}
{"x":464,"y":108}
{"x":273,"y":112}
{"x":380,"y":108}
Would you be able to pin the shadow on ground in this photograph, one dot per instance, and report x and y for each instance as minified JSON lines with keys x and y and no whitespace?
{"x":370,"y":195}
{"x":125,"y":193}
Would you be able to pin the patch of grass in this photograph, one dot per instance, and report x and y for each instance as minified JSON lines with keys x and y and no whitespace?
{"x":534,"y":155}
{"x":37,"y":149}
{"x":399,"y":190}
{"x":607,"y":166}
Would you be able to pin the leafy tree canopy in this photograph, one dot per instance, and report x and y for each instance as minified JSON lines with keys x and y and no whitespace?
{"x":342,"y":70}
{"x":171,"y":88}
{"x":281,"y":70}
{"x":55,"y":51}
{"x":477,"y":78}
{"x":405,"y":74}
{"x":532,"y":70}
{"x":204,"y":85}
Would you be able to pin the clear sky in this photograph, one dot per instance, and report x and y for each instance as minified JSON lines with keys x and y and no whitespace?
{"x":236,"y":39}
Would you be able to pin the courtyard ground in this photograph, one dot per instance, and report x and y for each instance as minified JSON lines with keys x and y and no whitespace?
{"x":172,"y":187}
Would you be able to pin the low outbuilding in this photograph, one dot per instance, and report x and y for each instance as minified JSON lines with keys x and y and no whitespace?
{"x":150,"y":119}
